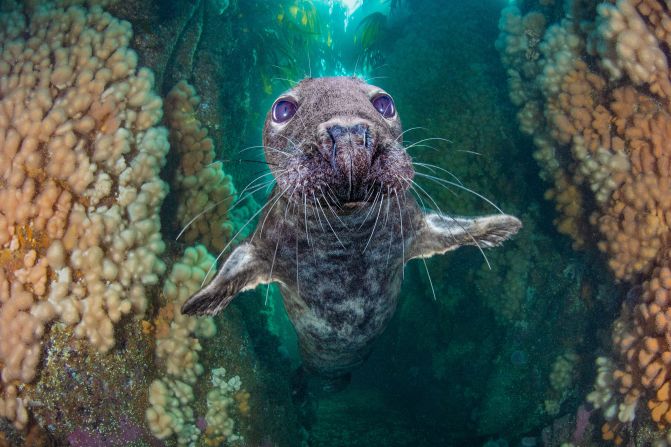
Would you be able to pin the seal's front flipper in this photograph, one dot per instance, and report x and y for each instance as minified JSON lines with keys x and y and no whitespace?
{"x":439,"y":233}
{"x":242,"y":270}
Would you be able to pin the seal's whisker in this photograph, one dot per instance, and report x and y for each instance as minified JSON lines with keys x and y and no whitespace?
{"x":470,"y":152}
{"x":293,"y":212}
{"x":400,"y":215}
{"x":270,"y":274}
{"x":331,"y":226}
{"x":356,"y":64}
{"x":250,"y":148}
{"x":367,"y":80}
{"x":283,"y":79}
{"x":263,"y":147}
{"x":216,"y":204}
{"x":426,"y":267}
{"x":429,"y":167}
{"x":334,"y":198}
{"x":374,"y":224}
{"x":305,"y":215}
{"x":272,"y":264}
{"x":336,"y":215}
{"x":386,"y":218}
{"x":256,"y":188}
{"x":457,"y":222}
{"x":242,"y":160}
{"x":433,"y":167}
{"x":444,"y":186}
{"x":387,"y":210}
{"x":349,"y":176}
{"x":286,"y":208}
{"x":441,"y":180}
{"x":232,"y":239}
{"x":419,"y":197}
{"x":426,"y":208}
{"x":370,"y":210}
{"x":289,"y":140}
{"x":265,"y":218}
{"x":284,"y":153}
{"x":265,"y":174}
{"x":412,"y":146}
{"x":319,"y":218}
{"x":211,"y":207}
{"x":408,"y":130}
{"x":305,"y":127}
{"x":369,"y":193}
{"x":307,"y":231}
{"x":427,"y":139}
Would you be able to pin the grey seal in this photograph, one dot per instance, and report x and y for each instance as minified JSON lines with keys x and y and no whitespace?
{"x":340,"y":223}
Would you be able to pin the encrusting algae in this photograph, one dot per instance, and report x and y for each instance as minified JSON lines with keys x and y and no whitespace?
{"x":81,"y":250}
{"x":596,"y":99}
{"x":81,"y":188}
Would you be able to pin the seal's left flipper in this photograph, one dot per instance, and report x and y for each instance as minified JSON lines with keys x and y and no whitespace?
{"x":438,"y":233}
{"x":242,"y":270}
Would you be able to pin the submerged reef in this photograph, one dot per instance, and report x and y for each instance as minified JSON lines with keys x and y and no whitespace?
{"x":81,"y":188}
{"x":93,"y":349}
{"x":591,"y":80}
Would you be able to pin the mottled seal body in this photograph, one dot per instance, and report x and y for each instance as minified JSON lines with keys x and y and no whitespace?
{"x":339,"y":293}
{"x":341,"y":223}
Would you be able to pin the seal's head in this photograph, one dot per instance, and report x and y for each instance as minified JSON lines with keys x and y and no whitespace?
{"x":337,"y":139}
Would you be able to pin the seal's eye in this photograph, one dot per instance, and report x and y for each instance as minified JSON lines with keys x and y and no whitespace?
{"x":384,"y":104}
{"x":284,"y":110}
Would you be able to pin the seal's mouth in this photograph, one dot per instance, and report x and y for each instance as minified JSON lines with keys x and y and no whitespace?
{"x":355,"y":205}
{"x":345,"y":171}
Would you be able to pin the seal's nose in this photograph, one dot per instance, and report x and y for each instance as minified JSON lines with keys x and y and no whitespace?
{"x":357,"y":133}
{"x":348,"y":147}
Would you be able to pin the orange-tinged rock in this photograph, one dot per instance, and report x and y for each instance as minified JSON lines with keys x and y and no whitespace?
{"x":663,"y":392}
{"x":659,"y":411}
{"x":660,"y":323}
{"x":651,"y":344}
{"x":666,"y":357}
{"x":606,"y":433}
{"x":644,"y":358}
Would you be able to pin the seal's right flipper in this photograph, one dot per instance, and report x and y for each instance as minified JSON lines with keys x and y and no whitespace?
{"x":242,"y":270}
{"x":441,"y":233}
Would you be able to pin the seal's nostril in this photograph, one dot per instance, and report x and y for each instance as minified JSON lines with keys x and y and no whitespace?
{"x":342,"y":145}
{"x":359,"y":130}
{"x":336,"y":131}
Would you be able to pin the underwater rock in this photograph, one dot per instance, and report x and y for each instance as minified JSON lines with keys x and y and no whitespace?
{"x":192,"y":40}
{"x":596,"y":103}
{"x":79,"y":234}
{"x":86,"y":397}
{"x":80,"y":240}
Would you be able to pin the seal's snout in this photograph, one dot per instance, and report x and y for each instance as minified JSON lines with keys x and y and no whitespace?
{"x":347,"y":147}
{"x":359,"y":132}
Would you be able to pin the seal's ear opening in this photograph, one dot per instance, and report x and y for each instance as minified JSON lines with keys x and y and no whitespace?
{"x":439,"y":233}
{"x":242,"y":270}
